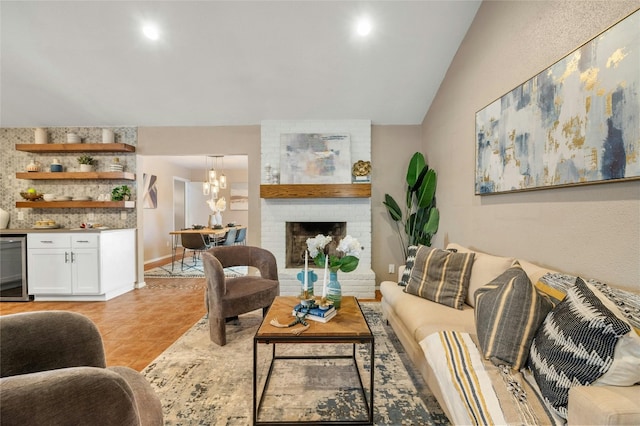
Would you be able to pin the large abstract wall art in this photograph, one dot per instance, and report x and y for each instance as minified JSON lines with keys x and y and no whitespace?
{"x":576,"y":122}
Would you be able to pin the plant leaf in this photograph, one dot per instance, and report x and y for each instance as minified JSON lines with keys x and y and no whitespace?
{"x":427,"y":189}
{"x":431,"y":227}
{"x":392,"y":207}
{"x":348,"y":263}
{"x":416,"y":165}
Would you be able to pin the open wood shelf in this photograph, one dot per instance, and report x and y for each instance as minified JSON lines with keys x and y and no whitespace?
{"x":343,"y":190}
{"x":75,"y":175}
{"x":75,"y":204}
{"x":75,"y":147}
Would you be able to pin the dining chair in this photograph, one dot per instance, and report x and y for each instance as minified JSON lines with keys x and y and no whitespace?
{"x":195,"y":242}
{"x":230,"y":238}
{"x":241,"y":237}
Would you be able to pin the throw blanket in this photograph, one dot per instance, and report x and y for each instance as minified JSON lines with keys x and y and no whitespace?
{"x":476,"y":391}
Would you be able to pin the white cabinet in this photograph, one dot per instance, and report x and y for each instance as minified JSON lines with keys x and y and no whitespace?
{"x":80,"y":265}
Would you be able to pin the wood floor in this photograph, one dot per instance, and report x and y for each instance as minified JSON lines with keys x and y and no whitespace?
{"x":139,"y":325}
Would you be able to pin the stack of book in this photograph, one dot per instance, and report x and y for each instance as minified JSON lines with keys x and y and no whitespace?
{"x":315,"y":313}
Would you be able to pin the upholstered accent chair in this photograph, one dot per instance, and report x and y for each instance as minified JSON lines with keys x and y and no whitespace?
{"x":229,"y":297}
{"x":53,"y":372}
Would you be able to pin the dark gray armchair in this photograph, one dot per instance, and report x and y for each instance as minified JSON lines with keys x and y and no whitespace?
{"x":53,"y":372}
{"x":230,"y":297}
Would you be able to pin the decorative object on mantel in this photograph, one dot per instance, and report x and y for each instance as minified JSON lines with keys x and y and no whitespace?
{"x":576,"y":122}
{"x":86,"y":163}
{"x":315,"y":158}
{"x":361,"y":171}
{"x":41,"y":136}
{"x":333,"y":263}
{"x":121,"y":193}
{"x":421,"y":215}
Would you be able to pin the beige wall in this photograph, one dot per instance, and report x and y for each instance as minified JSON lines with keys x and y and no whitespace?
{"x":592,"y":231}
{"x":223,"y":140}
{"x":391,"y":150}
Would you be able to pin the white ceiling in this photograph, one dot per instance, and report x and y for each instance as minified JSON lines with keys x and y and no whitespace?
{"x":85,"y":63}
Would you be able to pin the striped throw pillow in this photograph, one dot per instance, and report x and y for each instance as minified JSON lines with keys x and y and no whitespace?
{"x":440,"y":276}
{"x":574,"y":346}
{"x":508,"y":312}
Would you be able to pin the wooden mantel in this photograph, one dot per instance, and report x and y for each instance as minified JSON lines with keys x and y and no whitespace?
{"x":342,"y":190}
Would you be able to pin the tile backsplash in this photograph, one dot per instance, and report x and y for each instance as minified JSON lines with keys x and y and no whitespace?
{"x":13,"y":161}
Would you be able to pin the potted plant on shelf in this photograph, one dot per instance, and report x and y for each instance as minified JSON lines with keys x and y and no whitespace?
{"x":121,"y":193}
{"x":86,"y":163}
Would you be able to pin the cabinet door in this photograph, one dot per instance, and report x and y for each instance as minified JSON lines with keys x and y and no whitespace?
{"x":85,"y":271}
{"x":49,"y":271}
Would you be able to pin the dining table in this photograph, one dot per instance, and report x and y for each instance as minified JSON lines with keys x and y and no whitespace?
{"x":214,"y":232}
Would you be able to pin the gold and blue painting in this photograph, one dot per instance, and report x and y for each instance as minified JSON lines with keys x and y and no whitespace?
{"x":576,"y":122}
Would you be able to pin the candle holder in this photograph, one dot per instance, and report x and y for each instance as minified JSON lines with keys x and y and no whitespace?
{"x":311,"y":278}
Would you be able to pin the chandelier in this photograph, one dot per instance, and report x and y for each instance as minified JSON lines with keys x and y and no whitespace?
{"x":214,"y":181}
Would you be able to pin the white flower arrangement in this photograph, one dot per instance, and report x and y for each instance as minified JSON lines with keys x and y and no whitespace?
{"x":349,"y":246}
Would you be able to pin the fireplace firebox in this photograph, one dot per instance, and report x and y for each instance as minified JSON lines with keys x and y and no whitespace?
{"x":298,"y":232}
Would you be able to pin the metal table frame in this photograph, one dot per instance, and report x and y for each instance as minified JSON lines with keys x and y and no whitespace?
{"x":369,"y":340}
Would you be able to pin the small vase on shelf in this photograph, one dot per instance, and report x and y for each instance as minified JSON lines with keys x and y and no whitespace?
{"x":334,"y":291}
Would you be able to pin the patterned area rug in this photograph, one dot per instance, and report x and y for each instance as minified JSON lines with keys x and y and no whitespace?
{"x":191,"y":270}
{"x":201,"y":383}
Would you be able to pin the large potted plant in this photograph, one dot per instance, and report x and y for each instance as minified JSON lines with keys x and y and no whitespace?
{"x":420,"y":220}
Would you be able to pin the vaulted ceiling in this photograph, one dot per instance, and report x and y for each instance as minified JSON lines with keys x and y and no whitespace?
{"x":87,"y":63}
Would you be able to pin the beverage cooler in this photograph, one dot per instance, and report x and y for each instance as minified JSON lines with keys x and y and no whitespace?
{"x":13,"y":268}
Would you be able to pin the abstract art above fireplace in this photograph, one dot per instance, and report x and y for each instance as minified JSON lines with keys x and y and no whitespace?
{"x":315,"y":158}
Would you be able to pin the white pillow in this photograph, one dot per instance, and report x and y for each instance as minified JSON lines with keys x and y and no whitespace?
{"x":625,"y":368}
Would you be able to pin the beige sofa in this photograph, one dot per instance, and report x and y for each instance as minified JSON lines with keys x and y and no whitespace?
{"x":414,"y":318}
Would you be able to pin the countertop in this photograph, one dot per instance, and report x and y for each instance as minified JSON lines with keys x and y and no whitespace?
{"x":58,"y":230}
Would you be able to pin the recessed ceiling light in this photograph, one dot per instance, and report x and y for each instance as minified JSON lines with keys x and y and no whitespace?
{"x":364,"y":27}
{"x":151,"y":32}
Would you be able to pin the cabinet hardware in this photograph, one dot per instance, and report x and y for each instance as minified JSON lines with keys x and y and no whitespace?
{"x":66,"y":257}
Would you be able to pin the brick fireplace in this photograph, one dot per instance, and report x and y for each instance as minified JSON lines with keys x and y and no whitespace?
{"x":354,"y":212}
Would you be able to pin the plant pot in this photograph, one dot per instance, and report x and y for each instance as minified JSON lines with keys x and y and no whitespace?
{"x":86,"y":167}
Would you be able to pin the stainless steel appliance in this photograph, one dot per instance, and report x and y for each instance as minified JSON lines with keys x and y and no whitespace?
{"x":13,"y":268}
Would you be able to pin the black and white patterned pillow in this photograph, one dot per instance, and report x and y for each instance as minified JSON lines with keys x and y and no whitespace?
{"x":574,"y":345}
{"x":411,"y":258}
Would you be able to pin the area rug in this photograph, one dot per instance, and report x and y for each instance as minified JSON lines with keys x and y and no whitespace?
{"x":201,"y":383}
{"x":191,"y":270}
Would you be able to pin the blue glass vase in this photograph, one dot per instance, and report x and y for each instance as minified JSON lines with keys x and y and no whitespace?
{"x":334,"y":291}
{"x":311,"y":278}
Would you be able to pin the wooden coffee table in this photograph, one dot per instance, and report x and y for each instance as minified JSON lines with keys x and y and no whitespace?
{"x":348,"y":326}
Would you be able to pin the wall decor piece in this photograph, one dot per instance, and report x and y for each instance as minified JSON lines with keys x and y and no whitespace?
{"x":150,"y":191}
{"x":576,"y":122}
{"x":315,"y":158}
{"x":239,"y":196}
